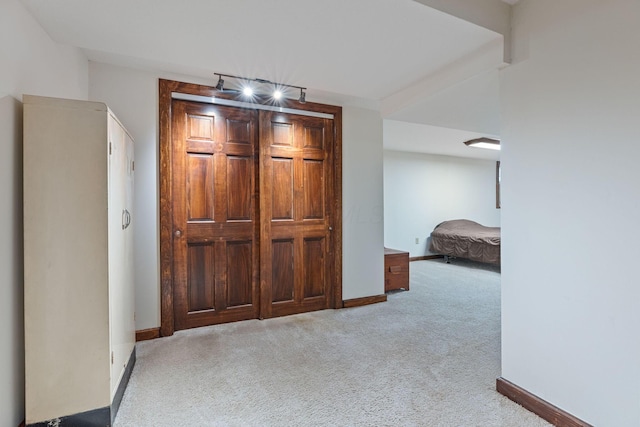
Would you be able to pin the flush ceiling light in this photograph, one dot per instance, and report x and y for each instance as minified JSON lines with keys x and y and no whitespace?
{"x":488,"y":143}
{"x":248,"y":89}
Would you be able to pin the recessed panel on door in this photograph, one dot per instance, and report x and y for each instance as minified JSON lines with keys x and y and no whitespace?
{"x":239,"y":273}
{"x":314,"y":267}
{"x":282,"y":278}
{"x":313,"y":175}
{"x":239,"y":188}
{"x":282,"y":189}
{"x":282,"y":134}
{"x":314,"y":137}
{"x":239,"y":131}
{"x":201,"y":277}
{"x":200,"y":187}
{"x":199,"y":133}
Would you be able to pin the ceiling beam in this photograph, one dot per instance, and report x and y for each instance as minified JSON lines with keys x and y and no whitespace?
{"x":488,"y":57}
{"x":494,"y":15}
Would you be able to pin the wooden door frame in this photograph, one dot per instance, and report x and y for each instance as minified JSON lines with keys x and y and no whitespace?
{"x":166,"y":87}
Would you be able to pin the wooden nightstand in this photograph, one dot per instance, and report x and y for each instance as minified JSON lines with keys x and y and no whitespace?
{"x":396,"y":270}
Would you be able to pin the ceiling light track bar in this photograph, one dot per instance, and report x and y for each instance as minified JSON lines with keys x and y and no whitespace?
{"x":263,"y":81}
{"x":248,"y":90}
{"x":249,"y":105}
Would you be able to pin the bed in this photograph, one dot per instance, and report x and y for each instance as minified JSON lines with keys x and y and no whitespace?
{"x":466,"y":239}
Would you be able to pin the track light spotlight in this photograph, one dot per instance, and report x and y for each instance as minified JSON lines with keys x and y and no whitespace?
{"x":277,"y":94}
{"x":302,"y":98}
{"x":247,"y":91}
{"x":220,"y":85}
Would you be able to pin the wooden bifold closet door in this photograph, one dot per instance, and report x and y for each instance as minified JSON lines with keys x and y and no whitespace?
{"x":215,"y":214}
{"x":252,"y":206}
{"x":295,"y":178}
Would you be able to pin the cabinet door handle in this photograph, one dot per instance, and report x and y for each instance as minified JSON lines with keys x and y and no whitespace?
{"x":395,"y":269}
{"x":126,"y":219}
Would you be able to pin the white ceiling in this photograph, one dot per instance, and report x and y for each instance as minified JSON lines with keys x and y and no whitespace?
{"x":420,"y":138}
{"x":369,"y":49}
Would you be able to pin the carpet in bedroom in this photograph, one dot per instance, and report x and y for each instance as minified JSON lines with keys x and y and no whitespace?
{"x":427,"y":357}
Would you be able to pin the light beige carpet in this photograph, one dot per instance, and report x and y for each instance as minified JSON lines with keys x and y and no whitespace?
{"x":427,"y":357}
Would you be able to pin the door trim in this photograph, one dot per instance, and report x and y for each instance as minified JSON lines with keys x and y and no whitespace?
{"x":166,"y":89}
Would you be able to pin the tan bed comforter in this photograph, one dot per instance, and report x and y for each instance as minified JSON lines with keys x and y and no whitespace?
{"x":466,"y":239}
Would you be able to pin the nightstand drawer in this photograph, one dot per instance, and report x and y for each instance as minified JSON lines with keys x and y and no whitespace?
{"x":396,"y":270}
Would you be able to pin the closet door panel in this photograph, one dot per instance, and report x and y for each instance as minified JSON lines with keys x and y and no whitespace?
{"x":239,"y":188}
{"x":313,"y":175}
{"x":314,"y":267}
{"x":200,"y":184}
{"x":295,"y":186}
{"x":201,"y":278}
{"x":282,"y":180}
{"x":282,"y":271}
{"x":214,"y":214}
{"x":239,"y":274}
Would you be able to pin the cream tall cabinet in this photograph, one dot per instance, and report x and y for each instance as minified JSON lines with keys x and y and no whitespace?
{"x":78,"y":266}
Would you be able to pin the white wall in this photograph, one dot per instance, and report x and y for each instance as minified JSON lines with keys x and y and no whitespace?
{"x":362,"y":204}
{"x":133,"y":96}
{"x":571,"y":203}
{"x":33,"y":63}
{"x":30,"y":62}
{"x":422,"y":190}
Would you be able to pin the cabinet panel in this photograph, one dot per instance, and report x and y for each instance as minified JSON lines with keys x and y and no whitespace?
{"x":120,"y":232}
{"x":78,"y":195}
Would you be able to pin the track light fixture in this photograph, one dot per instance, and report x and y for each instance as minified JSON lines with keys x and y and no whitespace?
{"x":220,"y":85}
{"x":277,"y":91}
